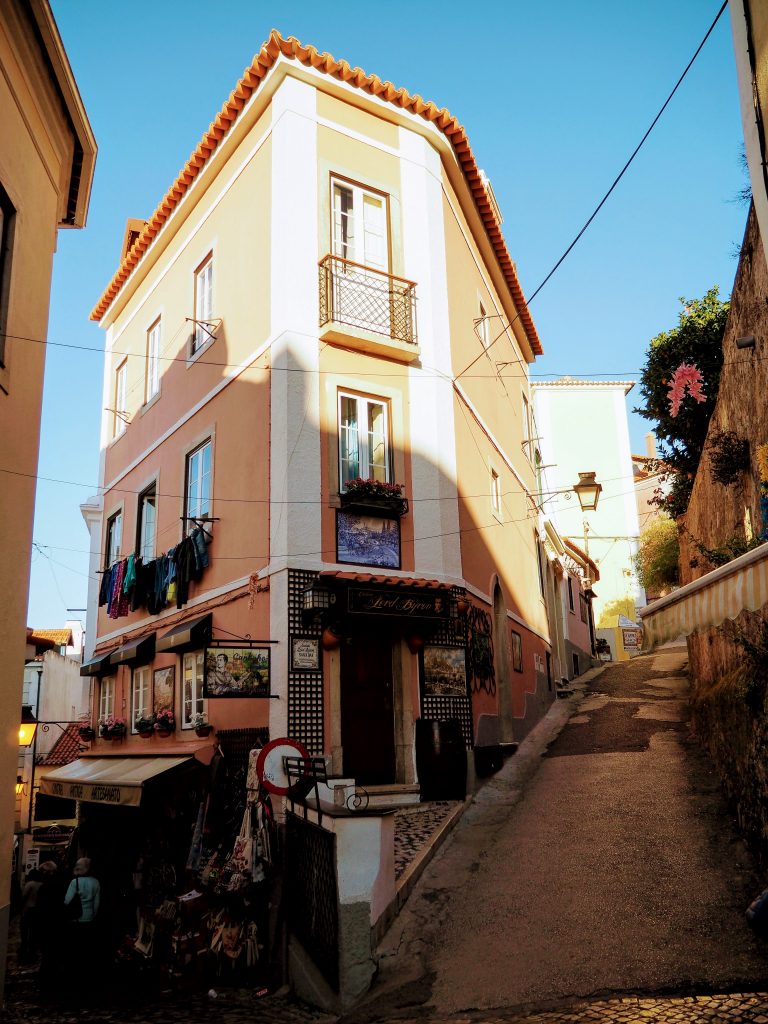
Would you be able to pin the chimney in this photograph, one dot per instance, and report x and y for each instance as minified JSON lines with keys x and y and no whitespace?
{"x":650,"y":445}
{"x":133,"y":228}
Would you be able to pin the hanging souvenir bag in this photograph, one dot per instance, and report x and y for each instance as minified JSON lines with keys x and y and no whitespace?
{"x":242,"y":853}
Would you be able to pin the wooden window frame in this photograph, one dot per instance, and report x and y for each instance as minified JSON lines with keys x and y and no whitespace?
{"x":368,"y":400}
{"x":144,"y":710}
{"x":196,"y":699}
{"x":150,"y":489}
{"x":152,"y":379}
{"x":200,"y":336}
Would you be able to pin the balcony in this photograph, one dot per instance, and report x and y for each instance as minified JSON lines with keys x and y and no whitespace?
{"x":367,"y":310}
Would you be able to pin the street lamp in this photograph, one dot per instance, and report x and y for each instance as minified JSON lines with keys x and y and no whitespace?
{"x":588,"y":492}
{"x":27,"y":727}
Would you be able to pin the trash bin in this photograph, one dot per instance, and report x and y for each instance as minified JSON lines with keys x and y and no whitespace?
{"x":441,"y":759}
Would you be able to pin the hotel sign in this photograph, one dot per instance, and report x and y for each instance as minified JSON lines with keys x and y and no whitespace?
{"x":419,"y":604}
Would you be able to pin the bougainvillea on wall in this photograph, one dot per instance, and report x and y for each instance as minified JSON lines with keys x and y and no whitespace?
{"x":762,"y":468}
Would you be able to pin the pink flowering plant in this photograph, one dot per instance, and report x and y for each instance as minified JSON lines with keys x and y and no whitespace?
{"x":687,"y":377}
{"x":165,"y":721}
{"x":111,"y":726}
{"x":373,"y":488}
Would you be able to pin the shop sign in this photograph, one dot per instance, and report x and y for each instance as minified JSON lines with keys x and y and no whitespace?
{"x":237,"y":671}
{"x":418,"y":604}
{"x":632,"y":639}
{"x":305,"y":654}
{"x":94,"y":792}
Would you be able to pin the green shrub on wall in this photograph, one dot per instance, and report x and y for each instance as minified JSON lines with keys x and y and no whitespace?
{"x":657,"y":560}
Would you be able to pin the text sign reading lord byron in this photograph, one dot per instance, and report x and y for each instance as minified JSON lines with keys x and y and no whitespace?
{"x":379,"y":602}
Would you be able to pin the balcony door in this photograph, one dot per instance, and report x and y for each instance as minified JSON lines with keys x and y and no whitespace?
{"x":361,"y":287}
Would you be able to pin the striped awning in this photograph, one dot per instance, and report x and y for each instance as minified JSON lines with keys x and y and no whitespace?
{"x":708,"y":601}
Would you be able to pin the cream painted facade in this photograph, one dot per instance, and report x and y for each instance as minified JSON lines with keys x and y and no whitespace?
{"x":265,"y":396}
{"x":582,"y":427}
{"x":46,"y":169}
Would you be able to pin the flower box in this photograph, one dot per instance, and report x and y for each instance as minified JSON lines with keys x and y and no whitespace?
{"x":373,"y":498}
{"x":86,"y":733}
{"x":203,"y":730}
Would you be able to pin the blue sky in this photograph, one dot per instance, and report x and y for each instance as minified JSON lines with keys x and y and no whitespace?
{"x":554,"y":98}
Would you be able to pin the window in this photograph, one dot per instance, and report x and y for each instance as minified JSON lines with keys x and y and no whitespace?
{"x":495,"y":493}
{"x":114,"y":539}
{"x":482,"y":327}
{"x":583,"y":608}
{"x":540,"y":559}
{"x":152,"y":383}
{"x":141,"y":695}
{"x":147,"y":523}
{"x":575,"y":658}
{"x":120,"y":411}
{"x":526,"y":417}
{"x":7,"y":224}
{"x":198,"y":489}
{"x":570,"y":594}
{"x":107,"y":698}
{"x":360,"y":225}
{"x":192,"y":702}
{"x":363,"y":439}
{"x":203,"y":303}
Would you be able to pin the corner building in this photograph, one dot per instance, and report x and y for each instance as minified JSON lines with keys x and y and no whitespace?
{"x":324,"y":294}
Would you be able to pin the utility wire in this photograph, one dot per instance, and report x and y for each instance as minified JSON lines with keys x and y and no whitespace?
{"x":603,"y":201}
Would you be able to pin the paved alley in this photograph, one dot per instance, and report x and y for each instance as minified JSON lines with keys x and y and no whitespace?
{"x":601,"y":862}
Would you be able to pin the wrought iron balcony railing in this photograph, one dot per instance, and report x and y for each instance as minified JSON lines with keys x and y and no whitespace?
{"x":367,"y":298}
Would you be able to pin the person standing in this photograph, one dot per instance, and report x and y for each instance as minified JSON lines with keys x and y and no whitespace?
{"x":87,"y":887}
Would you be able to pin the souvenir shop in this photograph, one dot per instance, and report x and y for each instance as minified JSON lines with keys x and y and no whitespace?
{"x":189,"y":864}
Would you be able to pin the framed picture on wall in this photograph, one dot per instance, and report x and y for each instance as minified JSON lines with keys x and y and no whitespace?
{"x":305,"y":654}
{"x":367,"y":540}
{"x":517,"y":652}
{"x":163,"y":679}
{"x":236,"y":672}
{"x":444,"y":671}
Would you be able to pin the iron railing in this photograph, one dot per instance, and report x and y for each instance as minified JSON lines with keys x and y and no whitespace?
{"x":364,"y":297}
{"x":310,"y":885}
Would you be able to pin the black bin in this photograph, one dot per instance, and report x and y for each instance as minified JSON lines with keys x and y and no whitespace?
{"x":441,"y":759}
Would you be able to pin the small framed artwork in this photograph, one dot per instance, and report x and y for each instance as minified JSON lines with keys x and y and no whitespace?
{"x":367,"y":540}
{"x":444,"y":671}
{"x":305,"y":654}
{"x":163,"y":680}
{"x":237,"y":672}
{"x":517,"y":652}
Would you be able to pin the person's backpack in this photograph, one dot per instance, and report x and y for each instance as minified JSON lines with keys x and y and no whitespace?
{"x":74,"y":908}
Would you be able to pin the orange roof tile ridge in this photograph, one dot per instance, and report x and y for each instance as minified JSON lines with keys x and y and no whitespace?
{"x":290,"y":47}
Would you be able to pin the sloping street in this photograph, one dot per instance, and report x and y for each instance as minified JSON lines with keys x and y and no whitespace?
{"x":600,"y":863}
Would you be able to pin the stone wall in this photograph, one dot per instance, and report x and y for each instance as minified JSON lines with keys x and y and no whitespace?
{"x":730,"y":723}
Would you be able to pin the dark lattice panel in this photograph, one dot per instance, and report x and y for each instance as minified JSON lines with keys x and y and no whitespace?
{"x":310,"y":885}
{"x":450,"y":707}
{"x":451,"y":632}
{"x":236,"y":744}
{"x":305,"y":689}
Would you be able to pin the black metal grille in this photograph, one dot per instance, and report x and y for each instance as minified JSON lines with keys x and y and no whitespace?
{"x":236,"y":744}
{"x":452,"y":632}
{"x":363,"y":297}
{"x":313,"y":909}
{"x":305,"y":689}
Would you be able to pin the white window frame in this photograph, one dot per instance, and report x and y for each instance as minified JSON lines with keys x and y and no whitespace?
{"x":121,"y":399}
{"x":354,"y":250}
{"x":526,"y":418}
{"x":203,"y":506}
{"x":106,"y":697}
{"x":113,"y":538}
{"x":141,"y":694}
{"x":203,"y":303}
{"x":195,"y":703}
{"x":152,"y":382}
{"x":364,"y":403}
{"x":482,"y":326}
{"x":145,"y":550}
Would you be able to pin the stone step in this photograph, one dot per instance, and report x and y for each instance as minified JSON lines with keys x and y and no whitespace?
{"x":391,"y":794}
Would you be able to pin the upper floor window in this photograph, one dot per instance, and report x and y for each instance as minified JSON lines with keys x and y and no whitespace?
{"x":107,"y":698}
{"x":152,"y":384}
{"x":583,"y":609}
{"x":114,"y":539}
{"x":360,"y":232}
{"x":363,"y":439}
{"x":7,"y":224}
{"x":141,"y":695}
{"x":198,"y":488}
{"x":121,"y":399}
{"x":483,"y":330}
{"x":203,"y":303}
{"x":526,"y":424}
{"x":192,"y":701}
{"x":570,"y":594}
{"x":147,"y":523}
{"x":495,"y":493}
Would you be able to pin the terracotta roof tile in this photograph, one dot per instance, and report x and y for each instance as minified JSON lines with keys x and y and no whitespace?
{"x":67,"y":748}
{"x":392,"y":581}
{"x":292,"y":49}
{"x":58,"y":637}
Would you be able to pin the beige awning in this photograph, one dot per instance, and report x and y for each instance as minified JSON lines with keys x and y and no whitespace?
{"x":106,"y":780}
{"x":708,"y":601}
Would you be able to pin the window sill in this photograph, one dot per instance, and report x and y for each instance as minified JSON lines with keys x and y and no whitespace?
{"x":116,"y":438}
{"x":150,"y":402}
{"x":194,"y":356}
{"x":361,"y":340}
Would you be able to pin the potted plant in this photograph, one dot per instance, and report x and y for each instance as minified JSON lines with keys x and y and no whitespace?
{"x":86,"y":733}
{"x":165,"y":722}
{"x":145,"y":725}
{"x":112,"y":728}
{"x":374,"y":497}
{"x":202,"y":726}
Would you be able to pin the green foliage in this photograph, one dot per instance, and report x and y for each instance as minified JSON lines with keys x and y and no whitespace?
{"x":726,"y":552}
{"x":754,"y":644}
{"x":658,"y":556}
{"x":728,"y":456}
{"x":621,"y":606}
{"x":697,"y":339}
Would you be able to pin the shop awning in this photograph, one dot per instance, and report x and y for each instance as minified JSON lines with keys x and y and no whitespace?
{"x":135,"y":651}
{"x":708,"y":601}
{"x":97,"y":665}
{"x":189,"y":635}
{"x":106,"y":780}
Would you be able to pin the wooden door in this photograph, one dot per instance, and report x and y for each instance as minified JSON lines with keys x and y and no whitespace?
{"x":367,"y":709}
